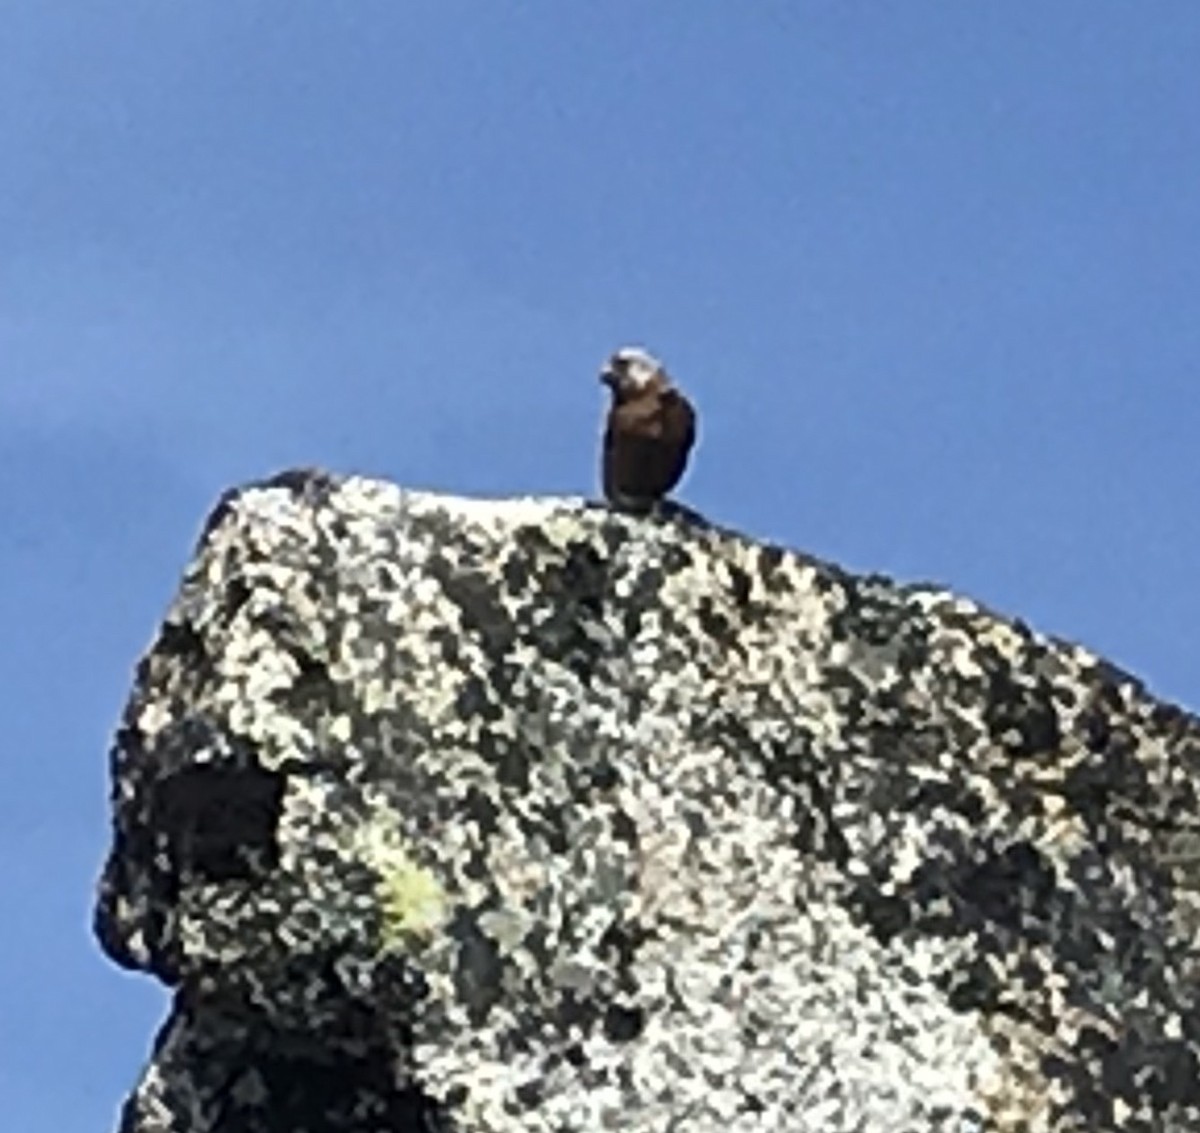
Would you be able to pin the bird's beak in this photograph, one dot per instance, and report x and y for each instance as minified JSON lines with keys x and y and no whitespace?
{"x":609,"y":378}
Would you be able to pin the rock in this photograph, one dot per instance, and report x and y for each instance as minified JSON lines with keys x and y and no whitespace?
{"x":528,"y":816}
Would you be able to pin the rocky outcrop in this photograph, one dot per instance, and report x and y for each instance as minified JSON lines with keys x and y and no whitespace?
{"x":528,"y":816}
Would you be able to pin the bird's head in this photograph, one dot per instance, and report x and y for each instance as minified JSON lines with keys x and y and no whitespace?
{"x":631,"y":370}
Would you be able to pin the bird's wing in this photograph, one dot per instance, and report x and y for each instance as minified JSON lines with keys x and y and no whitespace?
{"x":679,"y":420}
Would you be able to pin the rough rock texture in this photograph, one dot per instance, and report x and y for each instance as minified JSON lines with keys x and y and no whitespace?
{"x":526,"y":816}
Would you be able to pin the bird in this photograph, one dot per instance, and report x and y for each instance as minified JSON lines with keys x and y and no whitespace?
{"x":649,"y":432}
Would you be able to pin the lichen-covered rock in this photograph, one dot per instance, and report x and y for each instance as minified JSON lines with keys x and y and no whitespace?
{"x":528,"y":816}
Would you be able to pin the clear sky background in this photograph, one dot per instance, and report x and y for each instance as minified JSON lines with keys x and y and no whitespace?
{"x":931,"y":272}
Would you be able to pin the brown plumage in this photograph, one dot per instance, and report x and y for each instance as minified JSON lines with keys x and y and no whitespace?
{"x":649,"y":433}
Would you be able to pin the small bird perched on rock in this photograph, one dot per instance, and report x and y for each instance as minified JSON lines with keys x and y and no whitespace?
{"x":650,"y":430}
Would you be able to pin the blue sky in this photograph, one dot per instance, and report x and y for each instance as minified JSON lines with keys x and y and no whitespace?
{"x":929,"y":270}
